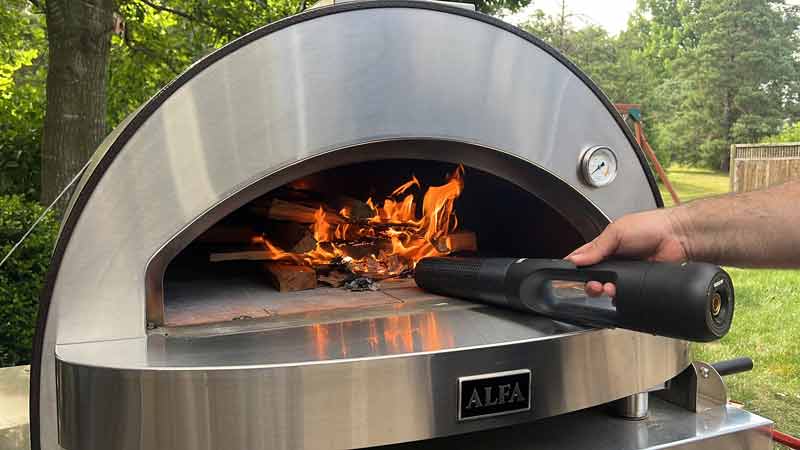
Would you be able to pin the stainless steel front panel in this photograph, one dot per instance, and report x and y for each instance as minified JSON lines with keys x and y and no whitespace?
{"x":330,"y":82}
{"x":339,"y":385}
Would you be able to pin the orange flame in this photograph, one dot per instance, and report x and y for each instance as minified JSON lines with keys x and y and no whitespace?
{"x":406,"y":186}
{"x":410,"y":238}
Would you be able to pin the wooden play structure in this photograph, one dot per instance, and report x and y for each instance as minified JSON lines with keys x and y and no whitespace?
{"x":632,"y":113}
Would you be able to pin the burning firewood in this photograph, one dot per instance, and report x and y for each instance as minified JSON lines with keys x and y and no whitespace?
{"x":290,"y":277}
{"x":375,"y":240}
{"x":340,"y":204}
{"x":364,"y":248}
{"x":292,"y":236}
{"x":278,"y":209}
{"x":462,"y":241}
{"x":354,"y":209}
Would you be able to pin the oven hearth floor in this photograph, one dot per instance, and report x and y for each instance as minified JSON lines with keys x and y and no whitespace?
{"x":206,"y":301}
{"x":236,"y":300}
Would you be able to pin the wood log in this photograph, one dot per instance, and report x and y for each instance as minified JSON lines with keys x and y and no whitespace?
{"x":293,"y":212}
{"x":251,"y":255}
{"x":291,"y":236}
{"x":329,"y":202}
{"x":290,"y":277}
{"x":361,"y":249}
{"x":462,"y":241}
{"x":306,"y":244}
{"x":357,"y":209}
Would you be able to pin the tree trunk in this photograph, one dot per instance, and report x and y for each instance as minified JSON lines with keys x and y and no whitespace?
{"x":79,"y":38}
{"x":727,"y":125}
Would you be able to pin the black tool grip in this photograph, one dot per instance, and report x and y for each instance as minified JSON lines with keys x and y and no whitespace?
{"x":692,"y":301}
{"x":733,"y":366}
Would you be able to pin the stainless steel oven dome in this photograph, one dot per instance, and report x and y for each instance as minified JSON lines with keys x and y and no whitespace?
{"x":329,"y":87}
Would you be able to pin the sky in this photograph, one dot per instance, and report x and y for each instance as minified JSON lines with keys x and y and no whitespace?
{"x":610,"y":14}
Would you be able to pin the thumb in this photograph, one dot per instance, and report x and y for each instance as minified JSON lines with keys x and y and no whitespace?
{"x":597,"y":250}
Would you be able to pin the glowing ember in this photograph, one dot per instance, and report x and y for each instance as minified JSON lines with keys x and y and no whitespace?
{"x":396,"y":236}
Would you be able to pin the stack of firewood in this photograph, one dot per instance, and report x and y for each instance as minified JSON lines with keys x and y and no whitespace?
{"x":289,"y":252}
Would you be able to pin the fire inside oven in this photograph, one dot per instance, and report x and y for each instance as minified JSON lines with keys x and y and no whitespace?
{"x":347,"y":238}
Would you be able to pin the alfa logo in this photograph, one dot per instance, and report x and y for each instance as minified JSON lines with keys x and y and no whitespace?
{"x":494,"y":394}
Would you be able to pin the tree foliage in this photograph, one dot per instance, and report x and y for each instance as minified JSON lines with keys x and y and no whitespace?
{"x":21,"y":276}
{"x":739,"y":82}
{"x":161,"y":39}
{"x":708,"y":73}
{"x":790,"y":133}
{"x":23,"y":58}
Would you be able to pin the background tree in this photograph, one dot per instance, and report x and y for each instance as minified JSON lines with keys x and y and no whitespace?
{"x":620,"y":65}
{"x":161,"y":39}
{"x":655,"y":38}
{"x":708,"y":73}
{"x":79,"y":40}
{"x":739,"y":82}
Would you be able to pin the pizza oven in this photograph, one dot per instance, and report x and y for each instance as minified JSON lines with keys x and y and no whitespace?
{"x":233,"y":271}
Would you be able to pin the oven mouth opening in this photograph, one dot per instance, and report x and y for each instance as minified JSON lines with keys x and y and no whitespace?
{"x":291,"y":256}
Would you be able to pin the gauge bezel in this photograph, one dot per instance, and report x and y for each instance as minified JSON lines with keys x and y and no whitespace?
{"x":586,"y":156}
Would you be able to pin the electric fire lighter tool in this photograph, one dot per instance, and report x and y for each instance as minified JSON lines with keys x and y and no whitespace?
{"x":692,"y":301}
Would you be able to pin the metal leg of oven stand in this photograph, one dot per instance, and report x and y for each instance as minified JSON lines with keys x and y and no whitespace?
{"x":632,"y":407}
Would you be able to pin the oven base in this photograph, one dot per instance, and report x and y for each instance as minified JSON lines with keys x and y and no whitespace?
{"x":384,"y":378}
{"x":667,"y":427}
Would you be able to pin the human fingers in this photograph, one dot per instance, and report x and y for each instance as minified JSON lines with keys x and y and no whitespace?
{"x":594,"y":289}
{"x":597,"y":250}
{"x":610,"y":289}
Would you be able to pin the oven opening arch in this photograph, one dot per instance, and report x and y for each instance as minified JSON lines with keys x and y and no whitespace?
{"x":564,"y":211}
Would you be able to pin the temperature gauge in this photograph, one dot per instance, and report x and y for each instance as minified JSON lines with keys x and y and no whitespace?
{"x":599,"y":166}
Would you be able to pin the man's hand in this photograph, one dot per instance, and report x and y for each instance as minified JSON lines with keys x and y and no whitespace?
{"x":756,"y":229}
{"x":652,"y":235}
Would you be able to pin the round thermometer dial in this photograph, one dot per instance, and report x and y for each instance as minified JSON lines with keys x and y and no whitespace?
{"x":599,"y":166}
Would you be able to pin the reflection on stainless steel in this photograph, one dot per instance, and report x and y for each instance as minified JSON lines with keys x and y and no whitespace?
{"x":401,"y":334}
{"x":667,"y":427}
{"x":711,"y":390}
{"x":698,"y":388}
{"x":275,"y":109}
{"x":425,"y":329}
{"x":633,"y":407}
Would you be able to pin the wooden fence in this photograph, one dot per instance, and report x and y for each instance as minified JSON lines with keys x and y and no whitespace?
{"x":756,"y":166}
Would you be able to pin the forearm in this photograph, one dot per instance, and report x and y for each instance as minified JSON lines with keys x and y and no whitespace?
{"x":757,"y":229}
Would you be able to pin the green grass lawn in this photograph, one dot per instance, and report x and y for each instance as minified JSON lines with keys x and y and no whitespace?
{"x":694,"y":183}
{"x":766,"y":323}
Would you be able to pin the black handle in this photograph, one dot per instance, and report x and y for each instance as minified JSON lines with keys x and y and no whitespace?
{"x":692,"y":301}
{"x":733,"y":366}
